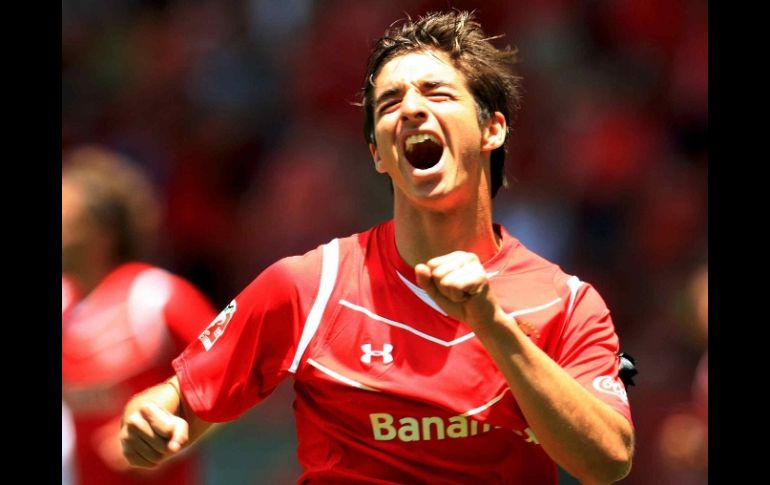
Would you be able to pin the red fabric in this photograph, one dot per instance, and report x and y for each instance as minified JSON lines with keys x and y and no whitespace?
{"x":389,"y":387}
{"x":116,"y":342}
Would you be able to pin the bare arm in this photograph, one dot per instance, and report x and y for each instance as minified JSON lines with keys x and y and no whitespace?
{"x":582,"y":434}
{"x":157,"y":424}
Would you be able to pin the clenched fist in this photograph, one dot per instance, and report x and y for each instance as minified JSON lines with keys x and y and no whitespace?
{"x":150,"y":435}
{"x":459,"y":284}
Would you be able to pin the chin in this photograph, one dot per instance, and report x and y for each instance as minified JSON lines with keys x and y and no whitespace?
{"x":434,"y":196}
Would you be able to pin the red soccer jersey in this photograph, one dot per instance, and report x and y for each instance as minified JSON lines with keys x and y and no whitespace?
{"x":389,"y":389}
{"x":117,"y":341}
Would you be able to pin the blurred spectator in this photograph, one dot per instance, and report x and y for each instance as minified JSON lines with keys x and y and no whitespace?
{"x":122,"y":320}
{"x":683,"y":439}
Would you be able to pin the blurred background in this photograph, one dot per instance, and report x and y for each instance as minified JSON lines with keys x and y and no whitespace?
{"x":242,"y":113}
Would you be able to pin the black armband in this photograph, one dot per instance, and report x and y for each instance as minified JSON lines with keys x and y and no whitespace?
{"x":627,"y":369}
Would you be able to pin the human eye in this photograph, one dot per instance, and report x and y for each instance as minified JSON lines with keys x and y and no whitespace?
{"x":440,"y":95}
{"x":388,"y":106}
{"x":438,"y":91}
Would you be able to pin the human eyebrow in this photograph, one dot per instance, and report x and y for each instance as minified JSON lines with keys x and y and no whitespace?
{"x":431,"y":85}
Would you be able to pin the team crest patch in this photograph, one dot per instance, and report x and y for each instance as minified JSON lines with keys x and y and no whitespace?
{"x":217,"y":327}
{"x":608,"y":385}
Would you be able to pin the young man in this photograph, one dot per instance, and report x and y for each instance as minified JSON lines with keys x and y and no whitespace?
{"x":432,"y":348}
{"x":123,"y":321}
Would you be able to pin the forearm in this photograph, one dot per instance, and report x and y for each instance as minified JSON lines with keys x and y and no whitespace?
{"x":583,"y":435}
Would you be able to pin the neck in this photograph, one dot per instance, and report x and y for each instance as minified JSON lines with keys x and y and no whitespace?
{"x":423,"y":234}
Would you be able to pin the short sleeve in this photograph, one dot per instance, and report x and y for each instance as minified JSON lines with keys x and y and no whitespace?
{"x":589,"y":347}
{"x":245,"y":352}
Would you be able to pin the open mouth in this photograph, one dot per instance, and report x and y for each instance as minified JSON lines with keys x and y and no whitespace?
{"x":423,"y":150}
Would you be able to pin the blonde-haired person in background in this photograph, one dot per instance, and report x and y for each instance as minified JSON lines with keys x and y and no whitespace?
{"x":123,"y":319}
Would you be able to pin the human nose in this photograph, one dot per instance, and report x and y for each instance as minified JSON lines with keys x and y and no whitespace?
{"x":412,"y":107}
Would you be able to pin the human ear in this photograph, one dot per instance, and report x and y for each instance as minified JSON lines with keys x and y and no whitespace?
{"x":494,"y":131}
{"x":376,"y":158}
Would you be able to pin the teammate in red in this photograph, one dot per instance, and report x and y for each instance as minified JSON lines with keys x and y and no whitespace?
{"x":433,"y":348}
{"x":122,"y":321}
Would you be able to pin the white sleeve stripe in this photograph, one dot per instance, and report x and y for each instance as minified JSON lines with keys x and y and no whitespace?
{"x":574,"y":284}
{"x":329,"y":268}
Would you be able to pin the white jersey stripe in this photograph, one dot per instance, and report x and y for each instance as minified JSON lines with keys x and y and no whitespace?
{"x":421,"y":294}
{"x":149,"y":294}
{"x":431,"y":338}
{"x":406,"y":327}
{"x":340,"y":377}
{"x":534,"y":308}
{"x":329,"y":270}
{"x":485,"y":406}
{"x":574,"y":284}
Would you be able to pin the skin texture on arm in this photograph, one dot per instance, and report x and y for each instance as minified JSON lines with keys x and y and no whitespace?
{"x":157,"y":424}
{"x":582,"y":434}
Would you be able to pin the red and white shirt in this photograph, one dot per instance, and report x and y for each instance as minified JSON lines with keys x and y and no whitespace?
{"x":389,"y":389}
{"x":117,"y":341}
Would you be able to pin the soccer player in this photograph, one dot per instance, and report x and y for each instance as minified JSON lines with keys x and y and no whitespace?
{"x":432,"y":348}
{"x":123,"y":321}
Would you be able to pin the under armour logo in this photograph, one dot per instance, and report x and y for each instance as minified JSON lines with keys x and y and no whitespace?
{"x":385,"y":353}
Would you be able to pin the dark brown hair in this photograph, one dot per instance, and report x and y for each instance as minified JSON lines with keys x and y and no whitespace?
{"x":487,"y":69}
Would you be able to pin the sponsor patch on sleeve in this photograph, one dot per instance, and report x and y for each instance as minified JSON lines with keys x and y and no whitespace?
{"x":217,"y":327}
{"x":610,"y":385}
